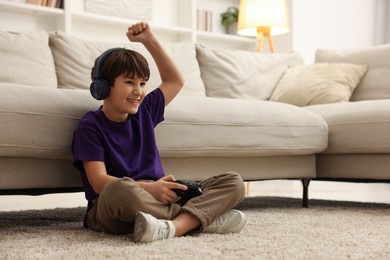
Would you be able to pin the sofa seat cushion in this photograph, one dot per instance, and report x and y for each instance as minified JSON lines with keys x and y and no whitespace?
{"x":357,"y":127}
{"x":38,"y":122}
{"x":231,"y":127}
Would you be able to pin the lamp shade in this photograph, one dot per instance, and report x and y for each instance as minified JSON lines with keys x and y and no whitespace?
{"x":256,"y":14}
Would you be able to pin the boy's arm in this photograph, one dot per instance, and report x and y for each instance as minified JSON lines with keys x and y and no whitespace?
{"x":172,"y":79}
{"x":161,"y":189}
{"x":97,"y":175}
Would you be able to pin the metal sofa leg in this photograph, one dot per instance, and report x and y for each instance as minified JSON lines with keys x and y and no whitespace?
{"x":305,"y":198}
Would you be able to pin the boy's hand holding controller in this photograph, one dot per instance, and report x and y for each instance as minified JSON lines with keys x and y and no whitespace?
{"x":193,"y":190}
{"x":163,"y":189}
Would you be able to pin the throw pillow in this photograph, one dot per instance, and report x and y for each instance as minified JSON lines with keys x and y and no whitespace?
{"x":375,"y":84}
{"x":74,"y":58}
{"x":26,"y":59}
{"x":319,"y":83}
{"x":242,"y":74}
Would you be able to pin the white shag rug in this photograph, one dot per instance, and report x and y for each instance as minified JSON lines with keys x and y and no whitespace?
{"x":277,"y":228}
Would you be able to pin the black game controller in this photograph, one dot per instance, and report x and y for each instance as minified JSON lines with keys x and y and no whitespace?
{"x":193,"y":190}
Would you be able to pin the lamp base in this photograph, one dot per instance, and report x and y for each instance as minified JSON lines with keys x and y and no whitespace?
{"x":261,"y":32}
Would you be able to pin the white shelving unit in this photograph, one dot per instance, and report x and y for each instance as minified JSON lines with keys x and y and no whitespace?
{"x":172,"y":21}
{"x":16,"y":16}
{"x":30,"y":9}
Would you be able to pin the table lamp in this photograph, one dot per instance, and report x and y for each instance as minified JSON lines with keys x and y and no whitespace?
{"x":263,"y":18}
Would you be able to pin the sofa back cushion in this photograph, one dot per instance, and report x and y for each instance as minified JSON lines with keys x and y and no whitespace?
{"x":319,"y":83}
{"x":74,"y":58}
{"x":376,"y":82}
{"x":243,"y":74}
{"x":27,"y":59}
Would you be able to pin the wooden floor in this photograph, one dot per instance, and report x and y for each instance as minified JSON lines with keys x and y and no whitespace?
{"x":364,"y":192}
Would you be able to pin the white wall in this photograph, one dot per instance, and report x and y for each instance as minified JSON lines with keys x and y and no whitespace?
{"x":382,"y":22}
{"x":332,"y":24}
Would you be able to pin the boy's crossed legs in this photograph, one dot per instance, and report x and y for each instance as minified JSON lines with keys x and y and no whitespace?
{"x":123,"y":199}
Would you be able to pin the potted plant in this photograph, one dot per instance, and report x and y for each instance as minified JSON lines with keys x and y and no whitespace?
{"x":229,"y":19}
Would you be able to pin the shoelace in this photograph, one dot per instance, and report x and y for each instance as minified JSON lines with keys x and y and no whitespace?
{"x":162,"y":232}
{"x":219,"y":220}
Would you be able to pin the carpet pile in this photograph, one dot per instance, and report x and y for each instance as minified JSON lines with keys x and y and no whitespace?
{"x":277,"y":228}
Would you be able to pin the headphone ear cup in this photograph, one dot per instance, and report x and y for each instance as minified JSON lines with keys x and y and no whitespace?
{"x":100,"y":89}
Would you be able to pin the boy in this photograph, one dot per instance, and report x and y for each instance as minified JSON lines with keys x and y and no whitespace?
{"x":115,"y":150}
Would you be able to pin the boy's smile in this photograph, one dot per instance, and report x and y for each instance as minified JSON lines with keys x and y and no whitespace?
{"x":125,"y":98}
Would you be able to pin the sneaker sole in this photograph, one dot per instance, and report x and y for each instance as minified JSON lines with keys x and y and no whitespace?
{"x":140,"y":226}
{"x":243,"y":222}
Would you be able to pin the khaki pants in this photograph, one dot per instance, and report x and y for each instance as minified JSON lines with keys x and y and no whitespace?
{"x":115,"y":209}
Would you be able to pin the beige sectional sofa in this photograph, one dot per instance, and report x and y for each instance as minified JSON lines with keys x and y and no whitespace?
{"x":233,"y":113}
{"x":359,"y":131}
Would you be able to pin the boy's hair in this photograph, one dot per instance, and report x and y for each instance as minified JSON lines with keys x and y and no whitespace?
{"x":122,"y":62}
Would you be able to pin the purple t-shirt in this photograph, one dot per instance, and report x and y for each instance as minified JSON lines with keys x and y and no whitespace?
{"x":128,"y":148}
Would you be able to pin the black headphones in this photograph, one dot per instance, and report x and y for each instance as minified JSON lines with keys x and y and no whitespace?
{"x":100,"y":88}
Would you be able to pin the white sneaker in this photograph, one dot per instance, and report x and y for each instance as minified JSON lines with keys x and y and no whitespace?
{"x":148,"y":228}
{"x":232,"y":221}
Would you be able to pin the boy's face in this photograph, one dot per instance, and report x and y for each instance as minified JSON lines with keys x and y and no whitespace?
{"x":125,"y":97}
